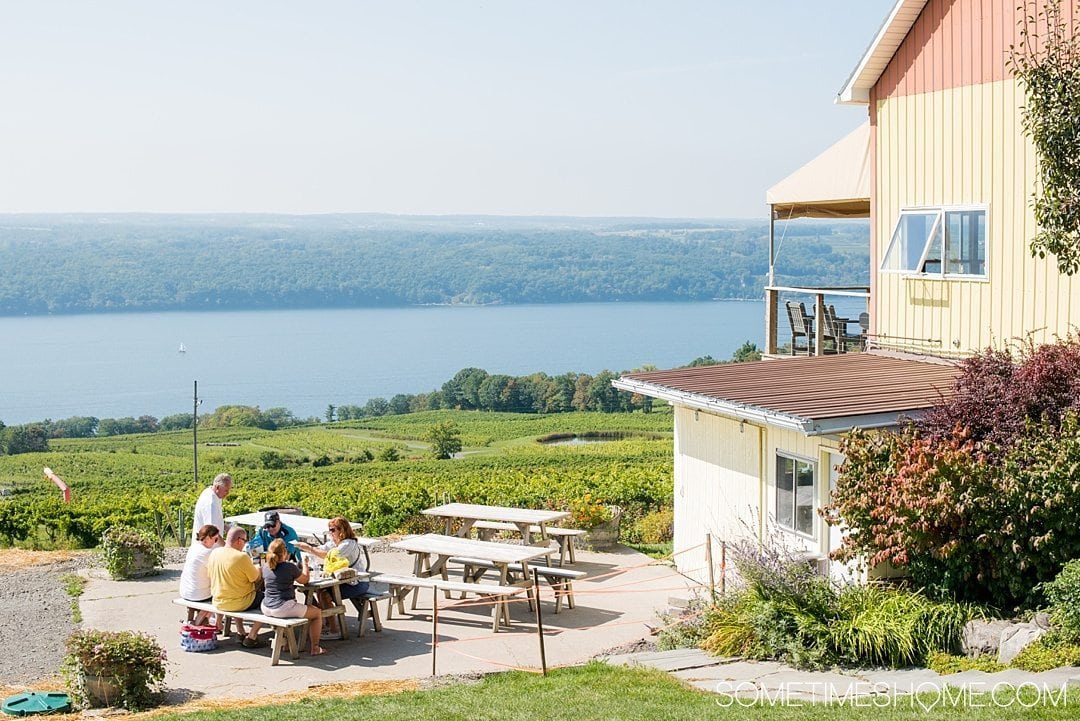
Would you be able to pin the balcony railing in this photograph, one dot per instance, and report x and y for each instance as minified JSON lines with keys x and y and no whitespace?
{"x":776,"y":313}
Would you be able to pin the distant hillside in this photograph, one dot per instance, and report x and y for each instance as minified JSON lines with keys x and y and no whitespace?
{"x":120,"y":263}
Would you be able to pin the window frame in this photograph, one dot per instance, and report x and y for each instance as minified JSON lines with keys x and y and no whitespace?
{"x":790,"y":524}
{"x":940,"y":224}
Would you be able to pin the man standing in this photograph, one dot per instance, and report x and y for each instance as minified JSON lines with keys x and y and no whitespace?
{"x":233,"y":580}
{"x":274,"y":528}
{"x":208,"y":507}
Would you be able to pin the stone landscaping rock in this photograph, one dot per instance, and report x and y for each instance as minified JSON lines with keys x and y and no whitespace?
{"x":1016,"y":638}
{"x":982,"y":637}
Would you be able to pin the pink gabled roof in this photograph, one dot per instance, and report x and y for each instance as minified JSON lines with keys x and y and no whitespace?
{"x":856,"y":90}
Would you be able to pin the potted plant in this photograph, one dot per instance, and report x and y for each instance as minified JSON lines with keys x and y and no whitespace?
{"x":600,"y":521}
{"x":131,"y":553}
{"x":114,"y":668}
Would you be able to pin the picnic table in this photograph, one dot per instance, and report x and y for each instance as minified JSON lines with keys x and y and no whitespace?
{"x":305,"y":527}
{"x":523,"y":518}
{"x":333,"y":585}
{"x":432,"y":551}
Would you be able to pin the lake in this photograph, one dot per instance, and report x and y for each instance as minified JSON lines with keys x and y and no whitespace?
{"x":117,"y":365}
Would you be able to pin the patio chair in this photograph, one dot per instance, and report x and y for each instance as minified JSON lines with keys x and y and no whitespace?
{"x":802,"y":326}
{"x":835,"y":329}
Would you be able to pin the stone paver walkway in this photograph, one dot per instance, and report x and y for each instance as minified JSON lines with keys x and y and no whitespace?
{"x":770,"y":681}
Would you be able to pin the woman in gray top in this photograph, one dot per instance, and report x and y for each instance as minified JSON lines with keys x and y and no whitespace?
{"x":280,"y":577}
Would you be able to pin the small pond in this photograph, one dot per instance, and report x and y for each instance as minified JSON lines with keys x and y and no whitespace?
{"x":580,"y":439}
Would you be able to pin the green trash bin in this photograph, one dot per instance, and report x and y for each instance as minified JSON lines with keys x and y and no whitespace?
{"x":32,"y":703}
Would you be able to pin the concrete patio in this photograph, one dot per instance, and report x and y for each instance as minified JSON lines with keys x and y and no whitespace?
{"x":616,"y":603}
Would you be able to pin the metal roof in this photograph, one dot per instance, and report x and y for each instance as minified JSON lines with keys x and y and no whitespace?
{"x":876,"y":58}
{"x":815,"y":395}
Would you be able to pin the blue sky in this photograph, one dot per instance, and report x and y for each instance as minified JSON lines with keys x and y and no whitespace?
{"x":600,"y":107}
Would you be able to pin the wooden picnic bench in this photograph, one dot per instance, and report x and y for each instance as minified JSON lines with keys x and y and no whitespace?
{"x":563,"y":536}
{"x":561,"y":580}
{"x":401,"y":586}
{"x":283,"y":627}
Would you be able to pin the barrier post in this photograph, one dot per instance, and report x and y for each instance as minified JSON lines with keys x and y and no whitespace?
{"x":709,"y":563}
{"x":539,"y":622}
{"x":723,"y":567}
{"x":434,"y":625}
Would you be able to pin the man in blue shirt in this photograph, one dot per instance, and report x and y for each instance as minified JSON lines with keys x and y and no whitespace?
{"x":274,"y":528}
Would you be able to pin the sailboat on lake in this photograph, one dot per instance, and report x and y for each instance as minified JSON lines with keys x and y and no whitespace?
{"x":182,"y":348}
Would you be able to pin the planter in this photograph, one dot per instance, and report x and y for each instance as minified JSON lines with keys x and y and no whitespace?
{"x":101,"y":690}
{"x":142,"y":564}
{"x":603,"y":536}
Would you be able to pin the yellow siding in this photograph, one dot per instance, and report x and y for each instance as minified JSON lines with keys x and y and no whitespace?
{"x":965,"y":146}
{"x":724,"y":471}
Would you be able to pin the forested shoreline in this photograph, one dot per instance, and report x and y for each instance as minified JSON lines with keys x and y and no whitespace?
{"x":66,"y":264}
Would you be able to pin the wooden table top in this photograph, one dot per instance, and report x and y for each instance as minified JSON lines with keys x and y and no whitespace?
{"x":495,"y":513}
{"x":441,"y":545}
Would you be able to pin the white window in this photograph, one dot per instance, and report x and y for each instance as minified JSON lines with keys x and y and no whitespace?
{"x":795,"y":493}
{"x":939,"y":241}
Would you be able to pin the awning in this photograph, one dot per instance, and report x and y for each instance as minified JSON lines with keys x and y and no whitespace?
{"x":835,"y":184}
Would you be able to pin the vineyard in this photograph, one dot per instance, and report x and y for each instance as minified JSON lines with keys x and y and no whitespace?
{"x":335,"y":469}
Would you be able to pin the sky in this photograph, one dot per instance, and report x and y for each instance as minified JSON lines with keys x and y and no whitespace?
{"x":665,"y":108}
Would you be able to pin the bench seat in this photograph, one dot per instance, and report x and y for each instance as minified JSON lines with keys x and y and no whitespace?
{"x":560,"y":579}
{"x":401,"y":586}
{"x":284,"y":628}
{"x":563,"y":536}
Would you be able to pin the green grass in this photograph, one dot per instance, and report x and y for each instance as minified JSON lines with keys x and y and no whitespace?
{"x":654,"y":550}
{"x":597,"y":691}
{"x":73,"y":586}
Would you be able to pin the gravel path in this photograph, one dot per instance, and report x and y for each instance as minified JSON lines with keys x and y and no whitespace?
{"x":37,"y":618}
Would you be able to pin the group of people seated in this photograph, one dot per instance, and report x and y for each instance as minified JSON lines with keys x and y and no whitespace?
{"x":261,"y":574}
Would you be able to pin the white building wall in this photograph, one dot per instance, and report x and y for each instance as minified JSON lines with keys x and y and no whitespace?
{"x":717,"y":485}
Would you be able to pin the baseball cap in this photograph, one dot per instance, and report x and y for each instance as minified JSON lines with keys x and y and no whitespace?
{"x":270,"y":518}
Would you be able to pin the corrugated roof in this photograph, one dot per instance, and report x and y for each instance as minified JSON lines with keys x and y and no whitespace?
{"x":876,"y":58}
{"x":816,"y":394}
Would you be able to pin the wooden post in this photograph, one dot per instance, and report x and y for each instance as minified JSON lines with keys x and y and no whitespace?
{"x":819,"y":324}
{"x":709,"y":563}
{"x":539,"y":622}
{"x":772,"y":301}
{"x":181,"y":536}
{"x":434,"y":624}
{"x":723,"y":567}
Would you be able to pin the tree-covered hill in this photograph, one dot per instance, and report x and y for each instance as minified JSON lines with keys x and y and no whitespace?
{"x":117,"y":263}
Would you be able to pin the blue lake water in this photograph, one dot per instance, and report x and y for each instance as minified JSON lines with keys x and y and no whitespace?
{"x":110,"y":366}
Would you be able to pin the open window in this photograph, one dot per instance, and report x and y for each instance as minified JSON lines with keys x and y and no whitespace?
{"x":938,"y":241}
{"x":796,"y":489}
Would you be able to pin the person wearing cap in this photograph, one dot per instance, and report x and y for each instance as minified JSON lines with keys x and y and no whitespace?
{"x":273,"y":528}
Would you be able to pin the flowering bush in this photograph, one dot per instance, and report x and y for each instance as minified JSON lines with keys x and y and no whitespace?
{"x":588,"y":512}
{"x":126,"y":550}
{"x":134,"y":662}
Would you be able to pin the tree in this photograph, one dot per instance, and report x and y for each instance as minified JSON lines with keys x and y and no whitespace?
{"x":176,"y":422}
{"x":31,"y":438}
{"x":445,"y":439}
{"x":462,"y":390}
{"x":376,"y":407}
{"x":329,"y":413}
{"x":399,"y":404}
{"x":746,"y":352}
{"x":1048,"y":67}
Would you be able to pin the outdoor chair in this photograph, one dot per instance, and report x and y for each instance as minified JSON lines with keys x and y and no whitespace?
{"x":802,"y":326}
{"x":835,"y":330}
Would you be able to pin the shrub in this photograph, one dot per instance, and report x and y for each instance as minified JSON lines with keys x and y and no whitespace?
{"x":588,"y":512}
{"x":134,"y":662}
{"x":947,"y":663}
{"x":1045,"y":653}
{"x":657,"y":527}
{"x":1063,"y":595}
{"x":976,"y":499}
{"x":129,"y":552}
{"x":788,"y":613}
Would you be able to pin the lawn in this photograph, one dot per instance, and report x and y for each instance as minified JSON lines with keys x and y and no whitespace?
{"x":597,"y":691}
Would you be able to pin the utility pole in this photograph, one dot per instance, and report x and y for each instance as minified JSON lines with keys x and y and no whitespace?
{"x":195,"y":431}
